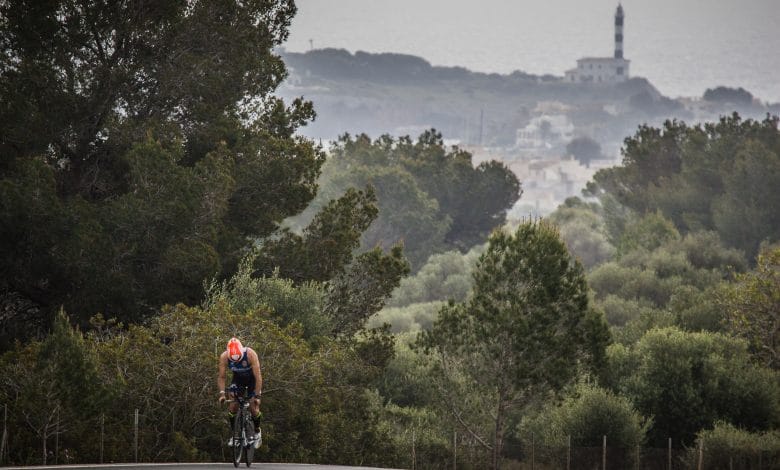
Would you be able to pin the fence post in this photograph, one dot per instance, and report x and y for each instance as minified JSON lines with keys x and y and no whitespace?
{"x":568,"y":452}
{"x":669,"y":455}
{"x":454,"y":450}
{"x":135,"y":440}
{"x":102,"y":426}
{"x":4,"y":440}
{"x":638,"y":456}
{"x":57,"y":438}
{"x":701,"y":455}
{"x":604,"y":453}
{"x":414,"y":457}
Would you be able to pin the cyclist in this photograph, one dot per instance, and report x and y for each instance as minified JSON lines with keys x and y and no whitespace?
{"x":244,"y":363}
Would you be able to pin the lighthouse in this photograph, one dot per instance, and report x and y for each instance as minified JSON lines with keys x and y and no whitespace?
{"x":603,"y":69}
{"x":619,"y":32}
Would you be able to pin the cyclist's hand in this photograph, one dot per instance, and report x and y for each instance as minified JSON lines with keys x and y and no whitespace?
{"x":222,"y":398}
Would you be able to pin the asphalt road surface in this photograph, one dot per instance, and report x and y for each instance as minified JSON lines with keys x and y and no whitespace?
{"x":193,"y":466}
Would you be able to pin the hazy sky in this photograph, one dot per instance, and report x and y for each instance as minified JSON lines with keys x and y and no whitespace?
{"x":682,"y":46}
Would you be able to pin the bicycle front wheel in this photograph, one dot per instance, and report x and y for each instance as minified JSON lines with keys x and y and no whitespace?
{"x":237,"y":438}
{"x":249,"y":449}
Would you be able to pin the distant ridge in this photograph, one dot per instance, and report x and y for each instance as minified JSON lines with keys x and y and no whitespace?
{"x":402,"y":94}
{"x":386,"y":66}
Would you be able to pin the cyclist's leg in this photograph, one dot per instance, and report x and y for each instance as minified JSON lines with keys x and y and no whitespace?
{"x":254,"y":407}
{"x":232,"y":407}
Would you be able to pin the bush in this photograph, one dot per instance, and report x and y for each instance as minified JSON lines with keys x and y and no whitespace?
{"x":414,"y":317}
{"x":587,"y":414}
{"x":445,"y":276}
{"x":688,"y":381}
{"x":726,"y":445}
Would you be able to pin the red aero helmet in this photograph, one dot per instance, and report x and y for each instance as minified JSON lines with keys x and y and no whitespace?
{"x":235,"y":349}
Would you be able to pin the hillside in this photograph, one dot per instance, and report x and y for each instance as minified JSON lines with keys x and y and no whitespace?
{"x":398,"y":94}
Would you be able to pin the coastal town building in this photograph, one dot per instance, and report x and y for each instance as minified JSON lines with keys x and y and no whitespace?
{"x":545,"y":132}
{"x":603,"y":69}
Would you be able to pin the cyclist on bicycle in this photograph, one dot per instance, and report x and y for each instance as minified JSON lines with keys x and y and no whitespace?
{"x":245,"y":366}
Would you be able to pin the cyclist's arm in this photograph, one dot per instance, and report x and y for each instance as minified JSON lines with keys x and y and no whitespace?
{"x":254,"y":361}
{"x":222,"y":372}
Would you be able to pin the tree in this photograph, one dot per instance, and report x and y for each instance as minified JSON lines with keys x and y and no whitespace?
{"x":445,"y":276}
{"x":746,"y":209}
{"x":53,"y":388}
{"x":722,"y":94}
{"x":648,"y":233}
{"x":476,"y":199}
{"x":584,"y":230}
{"x":430,"y":196}
{"x":584,"y":149}
{"x":752,"y":306}
{"x":664,"y":280}
{"x":143,"y":151}
{"x":363,"y":287}
{"x":687,"y":381}
{"x":326,"y":245}
{"x":712,"y":177}
{"x":526,"y":329}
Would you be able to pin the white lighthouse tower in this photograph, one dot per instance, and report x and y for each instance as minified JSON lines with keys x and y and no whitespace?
{"x":603,"y":69}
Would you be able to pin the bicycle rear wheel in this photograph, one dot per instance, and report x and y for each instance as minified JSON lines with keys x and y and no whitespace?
{"x":237,"y":438}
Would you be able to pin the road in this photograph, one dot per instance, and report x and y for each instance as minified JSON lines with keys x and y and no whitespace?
{"x":193,"y":466}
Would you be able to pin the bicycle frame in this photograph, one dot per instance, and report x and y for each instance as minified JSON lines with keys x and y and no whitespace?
{"x":243,"y":427}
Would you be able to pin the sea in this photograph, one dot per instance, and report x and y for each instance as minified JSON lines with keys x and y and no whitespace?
{"x":682,"y":46}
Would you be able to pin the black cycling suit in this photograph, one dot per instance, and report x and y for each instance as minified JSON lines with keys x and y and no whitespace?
{"x":242,"y":373}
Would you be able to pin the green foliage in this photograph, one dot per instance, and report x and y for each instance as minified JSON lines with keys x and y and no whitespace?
{"x":288,"y":303}
{"x":445,"y":276}
{"x":726,"y":444}
{"x":362,"y":289}
{"x":728,"y":95}
{"x":412,"y":318}
{"x":314,"y":401}
{"x":752,"y":305}
{"x":142,"y":150}
{"x":584,"y":230}
{"x":687,"y":381}
{"x":648,"y":233}
{"x":525,"y":330}
{"x":326,"y":244}
{"x":423,"y":430}
{"x":697,"y":310}
{"x":745,"y":215}
{"x":406,"y":381}
{"x":631,"y":283}
{"x":53,"y":388}
{"x":673,"y":284}
{"x":717,"y":176}
{"x":407,"y":213}
{"x":587,"y":414}
{"x":430,"y":197}
{"x":584,"y":149}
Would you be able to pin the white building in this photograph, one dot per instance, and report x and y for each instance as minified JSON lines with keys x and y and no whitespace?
{"x":544,"y":132}
{"x":603,"y":69}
